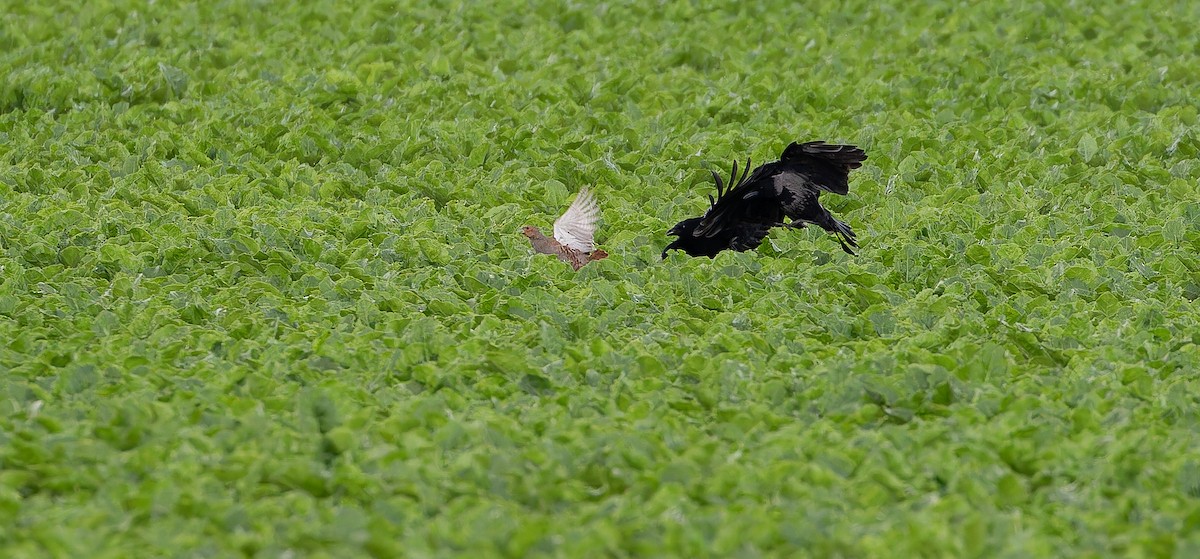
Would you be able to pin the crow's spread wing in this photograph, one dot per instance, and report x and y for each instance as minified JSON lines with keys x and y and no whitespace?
{"x":747,"y":236}
{"x":577,"y":226}
{"x":797,"y":192}
{"x":754,"y":199}
{"x":746,"y":208}
{"x":825,"y":166}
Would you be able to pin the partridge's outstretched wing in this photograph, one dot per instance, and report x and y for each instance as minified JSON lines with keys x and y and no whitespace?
{"x":577,"y":226}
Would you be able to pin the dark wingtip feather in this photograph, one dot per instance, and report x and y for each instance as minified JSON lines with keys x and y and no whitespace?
{"x":845,"y":154}
{"x":717,"y":179}
{"x":845,"y":235}
{"x":846,"y":244}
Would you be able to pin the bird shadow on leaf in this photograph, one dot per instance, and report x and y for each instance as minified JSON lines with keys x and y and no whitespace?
{"x":536,"y":385}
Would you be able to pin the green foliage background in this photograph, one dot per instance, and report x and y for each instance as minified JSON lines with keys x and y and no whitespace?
{"x":262,"y":289}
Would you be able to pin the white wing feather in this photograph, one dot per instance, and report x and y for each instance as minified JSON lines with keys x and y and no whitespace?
{"x":578,"y":224}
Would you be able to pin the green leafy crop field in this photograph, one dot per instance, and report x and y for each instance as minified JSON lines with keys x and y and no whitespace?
{"x":263,"y":290}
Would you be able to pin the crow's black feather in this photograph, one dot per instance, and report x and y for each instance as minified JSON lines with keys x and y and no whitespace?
{"x":748,"y":206}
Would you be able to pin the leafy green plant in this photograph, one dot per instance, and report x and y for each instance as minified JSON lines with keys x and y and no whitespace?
{"x":262,"y":289}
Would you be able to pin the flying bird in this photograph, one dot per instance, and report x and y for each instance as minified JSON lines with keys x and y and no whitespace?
{"x":740,"y":235}
{"x":744,"y":211}
{"x":573,"y":233}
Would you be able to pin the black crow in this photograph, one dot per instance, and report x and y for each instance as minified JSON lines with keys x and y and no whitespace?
{"x":789,"y":187}
{"x":744,"y":233}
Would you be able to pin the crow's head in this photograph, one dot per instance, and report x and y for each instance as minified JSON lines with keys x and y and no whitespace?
{"x":685,"y":230}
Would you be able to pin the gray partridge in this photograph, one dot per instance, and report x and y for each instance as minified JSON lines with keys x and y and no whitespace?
{"x":573,"y":232}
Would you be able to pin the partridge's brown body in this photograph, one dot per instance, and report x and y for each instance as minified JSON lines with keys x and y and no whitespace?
{"x":573,"y":232}
{"x":545,"y":245}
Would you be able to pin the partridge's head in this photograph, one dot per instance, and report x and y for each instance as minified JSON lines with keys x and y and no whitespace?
{"x":530,"y":231}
